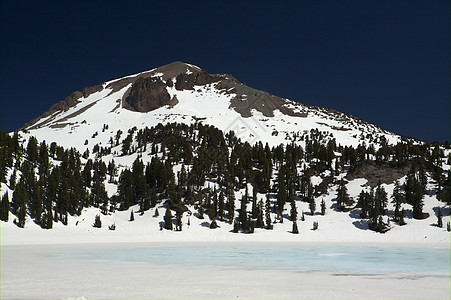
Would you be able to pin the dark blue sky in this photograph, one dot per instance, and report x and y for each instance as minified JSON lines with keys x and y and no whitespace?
{"x":387,"y":62}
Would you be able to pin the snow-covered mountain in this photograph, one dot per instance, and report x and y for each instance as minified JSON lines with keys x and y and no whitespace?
{"x":184,"y":93}
{"x":325,"y":153}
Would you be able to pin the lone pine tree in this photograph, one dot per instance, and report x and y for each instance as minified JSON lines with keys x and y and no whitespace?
{"x":323,"y":207}
{"x":168,"y":219}
{"x":439,"y":218}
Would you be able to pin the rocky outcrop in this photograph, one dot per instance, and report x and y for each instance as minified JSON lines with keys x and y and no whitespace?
{"x":147,"y":94}
{"x":248,"y":99}
{"x":187,"y":81}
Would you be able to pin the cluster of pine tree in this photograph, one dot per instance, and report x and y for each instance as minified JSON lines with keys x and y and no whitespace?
{"x":50,"y":182}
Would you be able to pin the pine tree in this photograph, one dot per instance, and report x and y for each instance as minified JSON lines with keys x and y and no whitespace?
{"x":132,"y":216}
{"x":294,"y":211}
{"x":214,"y":224}
{"x":398,"y":199}
{"x":342,"y":196}
{"x":153,"y":197}
{"x":414,"y":193}
{"x":97,"y":222}
{"x":380,"y":196}
{"x":295,"y":229}
{"x":323,"y":207}
{"x":4,"y":212}
{"x":312,"y":206}
{"x":380,"y":224}
{"x":230,"y":204}
{"x":439,"y":218}
{"x":268,"y":221}
{"x":254,"y":201}
{"x":168,"y":219}
{"x":259,"y":222}
{"x":315,"y":225}
{"x":178,"y":220}
{"x":236,"y":226}
{"x":243,"y":213}
{"x":401,"y":218}
{"x":448,"y":226}
{"x":156,"y":213}
{"x":281,"y":199}
{"x":221,"y":205}
{"x":302,"y":216}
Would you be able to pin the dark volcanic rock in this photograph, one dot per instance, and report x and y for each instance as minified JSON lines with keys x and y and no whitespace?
{"x":147,"y":94}
{"x":188,"y":81}
{"x":86,"y":91}
{"x":248,"y":98}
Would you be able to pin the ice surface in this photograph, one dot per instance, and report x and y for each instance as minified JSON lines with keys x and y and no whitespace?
{"x":55,"y":272}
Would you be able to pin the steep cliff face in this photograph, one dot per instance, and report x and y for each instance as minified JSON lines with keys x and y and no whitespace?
{"x":187,"y":81}
{"x":147,"y":94}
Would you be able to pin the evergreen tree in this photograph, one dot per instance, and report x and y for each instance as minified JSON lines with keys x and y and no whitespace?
{"x":4,"y":212}
{"x":312,"y":206}
{"x":414,"y":193}
{"x":112,"y":226}
{"x":380,"y":196}
{"x":214,"y":224}
{"x":221,"y":205}
{"x":315,"y":225}
{"x":323,"y":207}
{"x":178,"y":220}
{"x":398,"y":199}
{"x":295,"y":229}
{"x":156,"y":213}
{"x":168,"y":219}
{"x":97,"y":222}
{"x":236,"y":226}
{"x":342,"y":196}
{"x":132,"y":216}
{"x":254,"y":202}
{"x":230,"y":204}
{"x":294,"y":211}
{"x":259,"y":222}
{"x":243,"y":213}
{"x":282,"y":193}
{"x":19,"y":204}
{"x":439,"y":218}
{"x":268,"y":221}
{"x":153,"y":197}
{"x":380,"y":225}
{"x":401,"y":218}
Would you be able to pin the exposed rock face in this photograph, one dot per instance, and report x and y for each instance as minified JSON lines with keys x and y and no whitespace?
{"x":186,"y":81}
{"x":248,"y":98}
{"x":147,"y":94}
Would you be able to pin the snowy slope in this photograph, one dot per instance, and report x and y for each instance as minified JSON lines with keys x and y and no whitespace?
{"x":207,"y":103}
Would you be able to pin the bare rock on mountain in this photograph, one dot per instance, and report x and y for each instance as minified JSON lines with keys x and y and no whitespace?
{"x":187,"y":81}
{"x":147,"y":94}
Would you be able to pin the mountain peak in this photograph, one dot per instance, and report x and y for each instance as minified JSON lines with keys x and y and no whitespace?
{"x":176,"y":68}
{"x":184,"y":93}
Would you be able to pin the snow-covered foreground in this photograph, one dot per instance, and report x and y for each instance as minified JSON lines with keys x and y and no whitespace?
{"x":64,"y":272}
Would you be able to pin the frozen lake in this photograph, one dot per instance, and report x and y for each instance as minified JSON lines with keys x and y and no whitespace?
{"x":223,"y":271}
{"x":297,"y":258}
